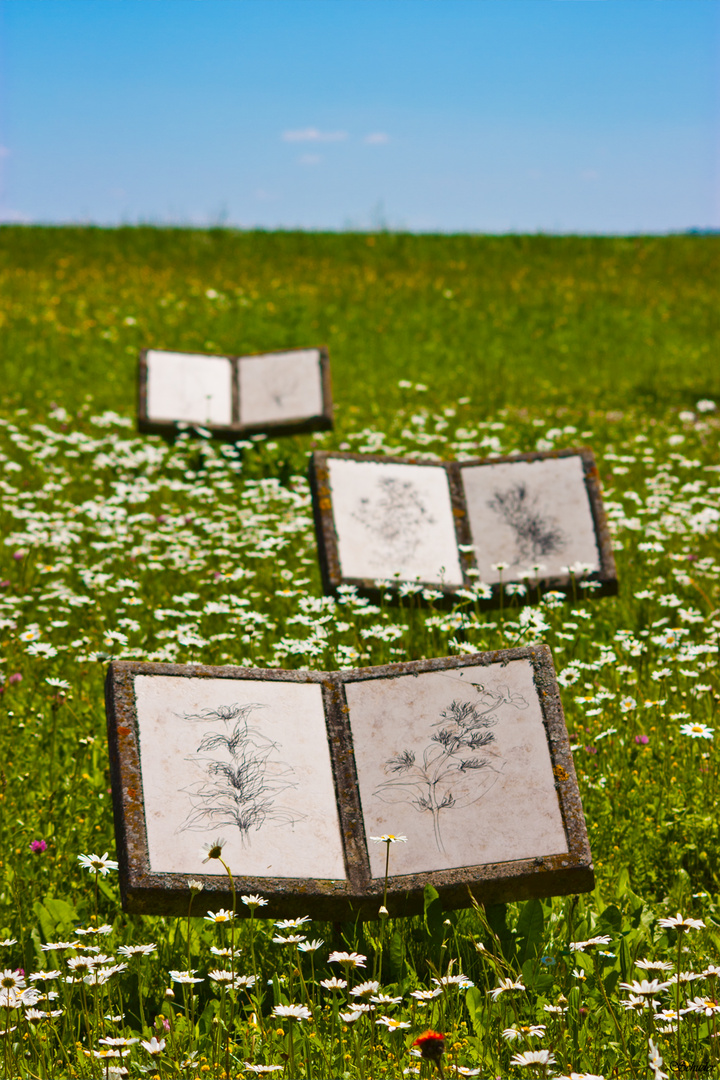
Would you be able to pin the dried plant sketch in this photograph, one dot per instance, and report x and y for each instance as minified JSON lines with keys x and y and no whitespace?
{"x":193,"y":388}
{"x":279,"y":387}
{"x":394,"y":520}
{"x":245,"y":760}
{"x":537,"y":533}
{"x":458,"y":762}
{"x":242,"y":779}
{"x":533,"y":516}
{"x":453,"y":771}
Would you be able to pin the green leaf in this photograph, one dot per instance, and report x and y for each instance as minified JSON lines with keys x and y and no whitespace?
{"x":611,"y":917}
{"x":496,"y":915}
{"x":623,"y":883}
{"x":208,"y":1014}
{"x":278,"y":997}
{"x":573,"y":1013}
{"x":434,"y":916}
{"x":109,"y":891}
{"x":530,"y":926}
{"x":584,"y":962}
{"x":56,"y":917}
{"x":396,"y":955}
{"x":536,"y":977}
{"x":63,"y":913}
{"x":474,"y":1002}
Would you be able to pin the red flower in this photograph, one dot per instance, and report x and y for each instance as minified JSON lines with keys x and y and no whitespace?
{"x":431,"y":1045}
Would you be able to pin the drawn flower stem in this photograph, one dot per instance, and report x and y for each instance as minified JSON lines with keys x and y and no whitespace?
{"x":445,"y":777}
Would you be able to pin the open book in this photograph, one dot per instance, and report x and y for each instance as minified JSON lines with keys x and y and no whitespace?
{"x":491,"y":530}
{"x":295,"y":774}
{"x":231,"y":396}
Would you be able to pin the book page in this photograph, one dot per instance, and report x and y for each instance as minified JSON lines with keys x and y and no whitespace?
{"x":243,"y":761}
{"x":535,"y":516}
{"x":458,"y":762}
{"x":194,"y":388}
{"x":280,"y":386}
{"x":394,"y":520}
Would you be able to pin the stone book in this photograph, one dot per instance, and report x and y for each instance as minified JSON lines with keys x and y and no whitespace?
{"x":487,"y":531}
{"x":298,"y":775}
{"x":230,"y":397}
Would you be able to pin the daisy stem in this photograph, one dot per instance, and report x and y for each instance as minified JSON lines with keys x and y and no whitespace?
{"x":6,"y":1040}
{"x":616,"y":1022}
{"x":141,"y":1007}
{"x":188,"y":931}
{"x":291,"y":1049}
{"x":256,"y":995}
{"x":714,"y":1036}
{"x":232,"y":969}
{"x":677,"y":997}
{"x":51,"y":771}
{"x":88,"y":1023}
{"x":358,"y":1055}
{"x":333,"y":1025}
{"x":377,"y":966}
{"x":387,"y":869}
{"x":302,"y":979}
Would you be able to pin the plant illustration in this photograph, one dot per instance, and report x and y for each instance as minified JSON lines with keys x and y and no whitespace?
{"x":536,"y":533}
{"x":242,"y":778}
{"x":285,"y":392}
{"x":452,"y":771}
{"x":394,"y":518}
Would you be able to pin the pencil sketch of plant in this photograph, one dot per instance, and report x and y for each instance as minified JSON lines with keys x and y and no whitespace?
{"x":452,"y":772}
{"x":242,"y":778}
{"x":394,"y":519}
{"x":536,"y":533}
{"x":284,"y":392}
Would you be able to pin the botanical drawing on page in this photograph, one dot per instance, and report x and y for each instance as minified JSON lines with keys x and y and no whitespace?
{"x":536,"y":532}
{"x":395,"y":519}
{"x":243,"y":775}
{"x":459,"y":764}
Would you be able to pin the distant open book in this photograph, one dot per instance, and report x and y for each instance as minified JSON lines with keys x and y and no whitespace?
{"x":533,"y":522}
{"x":277,"y":392}
{"x":297,"y":773}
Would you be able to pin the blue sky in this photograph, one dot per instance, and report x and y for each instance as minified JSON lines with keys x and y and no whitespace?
{"x":588,"y":116}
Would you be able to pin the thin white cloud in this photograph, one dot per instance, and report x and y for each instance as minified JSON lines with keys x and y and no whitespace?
{"x":377,"y":138}
{"x":310,"y":159}
{"x":312,"y":134}
{"x":4,"y":151}
{"x":9,"y":216}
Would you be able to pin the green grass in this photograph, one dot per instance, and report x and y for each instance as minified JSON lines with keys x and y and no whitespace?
{"x":511,"y":320}
{"x":126,"y":546}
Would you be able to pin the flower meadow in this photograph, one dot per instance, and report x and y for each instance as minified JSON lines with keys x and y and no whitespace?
{"x":116,"y":545}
